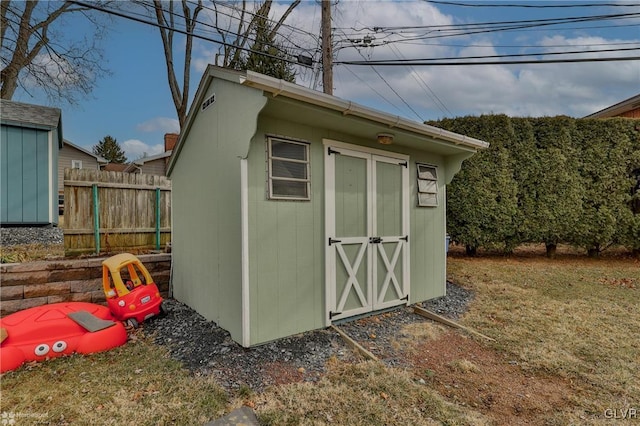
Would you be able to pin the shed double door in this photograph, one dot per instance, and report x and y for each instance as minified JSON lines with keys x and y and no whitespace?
{"x":367,"y":231}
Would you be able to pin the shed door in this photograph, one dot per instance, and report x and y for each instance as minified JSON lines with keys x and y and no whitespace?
{"x":367,"y":232}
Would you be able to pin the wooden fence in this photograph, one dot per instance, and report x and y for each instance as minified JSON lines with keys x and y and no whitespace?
{"x":113,"y":211}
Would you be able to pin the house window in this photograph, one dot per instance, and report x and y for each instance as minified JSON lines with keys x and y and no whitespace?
{"x":427,"y":185}
{"x":288,"y":169}
{"x":76,"y":164}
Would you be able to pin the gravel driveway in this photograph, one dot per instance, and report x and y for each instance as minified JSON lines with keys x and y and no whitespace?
{"x":204,"y":348}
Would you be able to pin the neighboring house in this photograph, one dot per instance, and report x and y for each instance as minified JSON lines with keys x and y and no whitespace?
{"x":629,"y":108}
{"x":75,"y":157}
{"x":30,"y":141}
{"x":114,"y":167}
{"x":293,"y":209}
{"x":155,"y":164}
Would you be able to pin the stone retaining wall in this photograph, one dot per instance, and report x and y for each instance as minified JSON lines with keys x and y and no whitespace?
{"x":24,"y":285}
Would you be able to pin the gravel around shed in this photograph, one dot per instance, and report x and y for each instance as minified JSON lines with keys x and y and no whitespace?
{"x":204,"y":348}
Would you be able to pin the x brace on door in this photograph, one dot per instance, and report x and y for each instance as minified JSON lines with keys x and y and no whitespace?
{"x":352,"y":282}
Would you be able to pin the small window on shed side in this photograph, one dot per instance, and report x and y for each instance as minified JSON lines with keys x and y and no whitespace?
{"x":427,"y":185}
{"x":76,"y":164}
{"x":288,"y":169}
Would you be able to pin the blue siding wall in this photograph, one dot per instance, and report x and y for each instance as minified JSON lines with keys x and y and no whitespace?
{"x":24,"y":176}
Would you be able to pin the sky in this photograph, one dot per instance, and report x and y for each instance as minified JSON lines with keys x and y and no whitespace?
{"x":133,"y":102}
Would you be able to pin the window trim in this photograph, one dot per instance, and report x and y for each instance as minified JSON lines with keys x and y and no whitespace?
{"x":424,"y":203}
{"x":271,"y":178}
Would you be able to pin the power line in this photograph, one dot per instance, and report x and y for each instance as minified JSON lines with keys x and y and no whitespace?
{"x":500,"y":23}
{"x":541,"y":61}
{"x":219,"y":30}
{"x":372,"y":88}
{"x":574,"y":52}
{"x":418,"y":78}
{"x":509,"y":46}
{"x":198,"y":36}
{"x":230,"y":6}
{"x":535,"y":6}
{"x":458,"y":30}
{"x":269,"y":20}
{"x":426,"y":36}
{"x":390,"y":87}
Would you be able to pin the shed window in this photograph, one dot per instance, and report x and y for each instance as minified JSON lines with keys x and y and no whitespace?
{"x":427,"y":185}
{"x":288,"y":169}
{"x":76,"y":164}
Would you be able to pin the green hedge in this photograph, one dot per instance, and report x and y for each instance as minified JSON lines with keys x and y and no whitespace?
{"x":547,"y":180}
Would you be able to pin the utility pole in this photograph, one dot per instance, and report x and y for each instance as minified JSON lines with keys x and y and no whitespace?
{"x":327,"y":51}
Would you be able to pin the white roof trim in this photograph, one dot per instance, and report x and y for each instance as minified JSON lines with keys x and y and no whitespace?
{"x":294,"y":91}
{"x":282,"y":88}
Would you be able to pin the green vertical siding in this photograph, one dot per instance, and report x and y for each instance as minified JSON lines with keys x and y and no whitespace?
{"x":4,"y":174}
{"x":428,"y":259}
{"x":206,"y":213}
{"x":286,"y":250}
{"x":26,"y":176}
{"x":286,"y":239}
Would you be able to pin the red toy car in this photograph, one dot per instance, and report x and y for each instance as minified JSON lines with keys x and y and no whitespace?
{"x":134,"y":297}
{"x":57,"y":329}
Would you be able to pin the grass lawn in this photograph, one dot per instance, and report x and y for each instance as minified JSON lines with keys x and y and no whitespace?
{"x":568,"y":327}
{"x":572,"y":318}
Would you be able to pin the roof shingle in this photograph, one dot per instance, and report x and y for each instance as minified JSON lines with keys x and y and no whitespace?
{"x":27,"y":114}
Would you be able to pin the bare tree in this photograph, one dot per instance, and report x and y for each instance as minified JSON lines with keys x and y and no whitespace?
{"x":185,"y":20}
{"x":236,"y":42}
{"x":38,"y":54}
{"x":164,"y":13}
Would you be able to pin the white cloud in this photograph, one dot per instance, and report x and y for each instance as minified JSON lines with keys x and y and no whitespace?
{"x":135,"y":149}
{"x":160,"y":124}
{"x":521,"y":90}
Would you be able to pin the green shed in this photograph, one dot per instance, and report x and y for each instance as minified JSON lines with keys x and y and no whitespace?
{"x":293,"y":209}
{"x":30,"y":139}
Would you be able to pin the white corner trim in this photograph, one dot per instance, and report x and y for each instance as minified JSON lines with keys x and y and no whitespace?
{"x":51,"y":175}
{"x":244,"y":213}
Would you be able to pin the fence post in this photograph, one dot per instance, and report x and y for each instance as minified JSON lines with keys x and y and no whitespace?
{"x":157,"y":218}
{"x":96,"y":217}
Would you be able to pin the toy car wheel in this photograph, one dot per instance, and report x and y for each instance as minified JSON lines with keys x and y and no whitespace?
{"x":163,"y":310}
{"x":132,"y":322}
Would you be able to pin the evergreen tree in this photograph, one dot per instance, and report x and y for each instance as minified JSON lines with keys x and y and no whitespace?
{"x":605,"y":155}
{"x":109,"y":149}
{"x":554,"y":194}
{"x":265,"y":53}
{"x":482,"y":199}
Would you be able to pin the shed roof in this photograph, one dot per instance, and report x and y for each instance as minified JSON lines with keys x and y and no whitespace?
{"x":338,"y":113}
{"x":35,"y":115}
{"x":617,"y":109}
{"x":28,"y":115}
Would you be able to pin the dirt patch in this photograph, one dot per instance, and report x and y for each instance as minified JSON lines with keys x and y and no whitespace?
{"x":465,"y":371}
{"x":470,"y":373}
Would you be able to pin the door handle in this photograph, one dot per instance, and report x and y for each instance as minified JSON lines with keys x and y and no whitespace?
{"x":375,"y":240}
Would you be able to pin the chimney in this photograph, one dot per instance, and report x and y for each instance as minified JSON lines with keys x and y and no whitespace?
{"x":170,"y":140}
